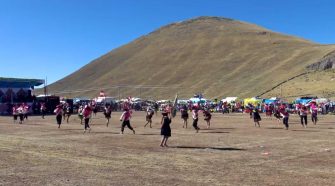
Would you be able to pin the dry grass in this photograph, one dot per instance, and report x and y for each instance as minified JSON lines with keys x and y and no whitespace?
{"x":230,"y":153}
{"x":318,"y":83}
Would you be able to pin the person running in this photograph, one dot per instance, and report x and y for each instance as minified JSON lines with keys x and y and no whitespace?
{"x":257,"y":117}
{"x":184,"y":115}
{"x":208,"y":117}
{"x":285,"y":115}
{"x":148,"y":117}
{"x":43,"y":110}
{"x":87,"y":113}
{"x":314,"y":115}
{"x":195,"y":117}
{"x":125,"y":118}
{"x":268,"y":110}
{"x":80,"y":114}
{"x":108,"y":113}
{"x":25,"y":110}
{"x":165,"y":129}
{"x":59,"y":113}
{"x":67,"y":112}
{"x":277,"y":115}
{"x":15,"y":113}
{"x":303,"y":116}
{"x":20,"y":112}
{"x":94,"y":108}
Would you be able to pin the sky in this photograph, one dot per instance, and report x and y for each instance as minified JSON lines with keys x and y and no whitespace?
{"x":50,"y":39}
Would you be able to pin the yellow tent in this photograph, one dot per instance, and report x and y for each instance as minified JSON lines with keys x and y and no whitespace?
{"x":254,"y":101}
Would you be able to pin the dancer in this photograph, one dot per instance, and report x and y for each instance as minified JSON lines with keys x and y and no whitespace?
{"x":125,"y":118}
{"x":59,"y":112}
{"x":314,"y":111}
{"x":195,"y":117}
{"x":43,"y":110}
{"x":268,"y":110}
{"x":285,"y":115}
{"x":108,"y":113}
{"x":95,"y":108}
{"x":67,"y":112}
{"x":165,"y":129}
{"x":303,"y":116}
{"x":257,"y":117}
{"x":207,"y":118}
{"x":184,"y":115}
{"x":15,"y":113}
{"x":148,"y":117}
{"x":277,"y":115}
{"x":87,"y":112}
{"x":80,"y":114}
{"x":20,"y":112}
{"x":25,"y":110}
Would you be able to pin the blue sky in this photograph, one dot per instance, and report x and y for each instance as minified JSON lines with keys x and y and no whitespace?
{"x":53,"y":38}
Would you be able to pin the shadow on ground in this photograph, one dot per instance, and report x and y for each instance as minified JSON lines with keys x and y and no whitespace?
{"x":210,"y":148}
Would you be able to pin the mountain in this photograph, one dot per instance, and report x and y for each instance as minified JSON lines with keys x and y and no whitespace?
{"x":211,"y":55}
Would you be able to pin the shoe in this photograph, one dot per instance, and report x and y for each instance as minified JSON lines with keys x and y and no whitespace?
{"x":134,"y":131}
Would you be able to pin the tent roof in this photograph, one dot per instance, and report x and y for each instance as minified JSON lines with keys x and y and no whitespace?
{"x":19,"y":83}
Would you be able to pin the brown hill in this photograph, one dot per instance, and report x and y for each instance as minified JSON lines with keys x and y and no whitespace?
{"x":216,"y":56}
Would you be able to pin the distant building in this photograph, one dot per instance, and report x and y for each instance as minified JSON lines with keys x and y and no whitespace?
{"x":14,"y":90}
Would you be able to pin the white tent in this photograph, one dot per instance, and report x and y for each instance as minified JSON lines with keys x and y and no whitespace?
{"x":229,"y":99}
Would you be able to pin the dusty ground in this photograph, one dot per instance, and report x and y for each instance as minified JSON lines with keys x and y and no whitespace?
{"x":232,"y":152}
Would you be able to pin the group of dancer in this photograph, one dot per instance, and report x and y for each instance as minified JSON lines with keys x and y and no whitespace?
{"x":282,"y":114}
{"x":85,"y":113}
{"x":20,"y":111}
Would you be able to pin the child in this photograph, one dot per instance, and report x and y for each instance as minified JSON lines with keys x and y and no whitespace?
{"x":125,"y":118}
{"x":257,"y":117}
{"x":15,"y":113}
{"x":208,"y":117}
{"x":166,"y":129}
{"x":43,"y":110}
{"x":80,"y":114}
{"x":314,"y":111}
{"x":108,"y":113}
{"x":184,"y":116}
{"x":148,"y":117}
{"x":303,"y":116}
{"x":20,"y":112}
{"x":195,"y":119}
{"x":67,"y":112}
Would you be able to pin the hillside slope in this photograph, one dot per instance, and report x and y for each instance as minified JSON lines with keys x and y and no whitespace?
{"x":216,"y":56}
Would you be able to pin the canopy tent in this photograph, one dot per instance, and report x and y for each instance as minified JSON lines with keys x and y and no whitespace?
{"x":304,"y":100}
{"x":253,"y":101}
{"x":272,"y":100}
{"x":229,"y":99}
{"x":183,"y":101}
{"x":20,"y":83}
{"x":198,"y":100}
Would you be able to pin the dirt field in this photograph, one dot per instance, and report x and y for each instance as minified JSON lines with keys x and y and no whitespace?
{"x":232,"y":152}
